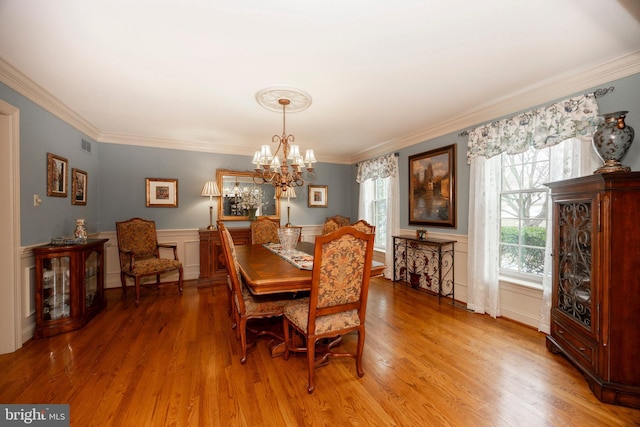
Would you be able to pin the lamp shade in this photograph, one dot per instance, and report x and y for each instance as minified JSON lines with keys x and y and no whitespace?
{"x":210,"y":189}
{"x":289,"y":193}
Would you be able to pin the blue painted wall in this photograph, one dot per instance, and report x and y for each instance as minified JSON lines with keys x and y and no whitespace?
{"x":41,"y":133}
{"x":116,"y":184}
{"x":122,"y":190}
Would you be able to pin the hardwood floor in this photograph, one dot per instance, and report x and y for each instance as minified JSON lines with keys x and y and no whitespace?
{"x":175,"y":361}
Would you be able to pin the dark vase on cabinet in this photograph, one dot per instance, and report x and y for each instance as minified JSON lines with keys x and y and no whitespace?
{"x":69,"y":286}
{"x":596,"y":282}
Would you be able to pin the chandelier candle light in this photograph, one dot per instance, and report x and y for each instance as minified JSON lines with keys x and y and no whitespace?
{"x":269,"y":167}
{"x":210,"y":189}
{"x":288,"y":193}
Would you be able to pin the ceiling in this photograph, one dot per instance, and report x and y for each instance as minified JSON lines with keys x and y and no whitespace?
{"x":382,"y":75}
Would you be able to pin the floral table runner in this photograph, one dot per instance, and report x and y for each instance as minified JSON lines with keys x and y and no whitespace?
{"x":298,"y":258}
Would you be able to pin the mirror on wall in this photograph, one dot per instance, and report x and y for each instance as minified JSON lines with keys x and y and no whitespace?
{"x":239,"y":192}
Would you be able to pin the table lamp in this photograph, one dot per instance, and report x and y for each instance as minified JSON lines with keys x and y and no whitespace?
{"x":288,"y":193}
{"x":211,"y":189}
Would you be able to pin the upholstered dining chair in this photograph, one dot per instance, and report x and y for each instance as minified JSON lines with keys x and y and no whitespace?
{"x":364,"y":226}
{"x":247,"y":306}
{"x":230,"y":304}
{"x":329,"y":226}
{"x":332,"y":223}
{"x":264,"y":230}
{"x":139,"y":253}
{"x":338,"y":299}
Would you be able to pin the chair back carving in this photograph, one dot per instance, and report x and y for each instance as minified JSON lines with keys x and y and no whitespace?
{"x":364,"y":226}
{"x":264,"y":230}
{"x":332,"y":223}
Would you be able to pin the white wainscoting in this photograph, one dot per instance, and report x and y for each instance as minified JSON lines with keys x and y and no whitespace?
{"x":518,"y":302}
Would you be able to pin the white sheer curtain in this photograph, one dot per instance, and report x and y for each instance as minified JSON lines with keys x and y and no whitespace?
{"x":484,"y":235}
{"x":382,"y":167}
{"x":538,"y":128}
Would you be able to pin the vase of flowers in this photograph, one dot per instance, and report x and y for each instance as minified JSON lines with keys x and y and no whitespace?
{"x":251,"y":201}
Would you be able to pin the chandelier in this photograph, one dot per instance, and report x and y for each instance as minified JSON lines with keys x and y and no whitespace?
{"x":285,"y":168}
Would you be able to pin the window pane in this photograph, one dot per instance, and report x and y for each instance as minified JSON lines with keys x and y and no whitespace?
{"x":535,"y":175}
{"x":534,"y":233}
{"x":509,"y":257}
{"x":511,"y":176}
{"x":509,"y":231}
{"x":534,"y":205}
{"x":532,"y":260}
{"x":510,"y":206}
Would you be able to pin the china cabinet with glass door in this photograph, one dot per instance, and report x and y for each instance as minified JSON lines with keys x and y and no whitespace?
{"x":596,"y":284}
{"x":69,"y":286}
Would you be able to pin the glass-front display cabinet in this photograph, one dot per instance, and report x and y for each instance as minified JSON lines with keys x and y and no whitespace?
{"x":69,"y":286}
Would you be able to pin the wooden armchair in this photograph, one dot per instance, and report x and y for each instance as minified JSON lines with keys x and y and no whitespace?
{"x":139,"y":253}
{"x":264,"y":230}
{"x":338,"y":298}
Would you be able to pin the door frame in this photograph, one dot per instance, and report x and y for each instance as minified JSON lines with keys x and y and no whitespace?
{"x":11,"y":313}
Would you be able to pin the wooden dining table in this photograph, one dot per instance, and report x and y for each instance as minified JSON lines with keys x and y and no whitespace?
{"x":265,"y":272}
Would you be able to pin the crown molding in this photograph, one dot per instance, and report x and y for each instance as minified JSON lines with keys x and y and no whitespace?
{"x":199,"y":146}
{"x":173,"y":144}
{"x":546,"y":91}
{"x":36,"y":93}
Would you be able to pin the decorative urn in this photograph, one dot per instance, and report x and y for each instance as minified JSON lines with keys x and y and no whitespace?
{"x":612,"y":141}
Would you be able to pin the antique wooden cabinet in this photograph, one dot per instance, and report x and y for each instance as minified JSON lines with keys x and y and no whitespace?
{"x":596,"y":282}
{"x":213,"y":268}
{"x":69,"y":286}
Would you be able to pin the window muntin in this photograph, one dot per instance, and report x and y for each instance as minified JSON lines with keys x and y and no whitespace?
{"x":523,"y":213}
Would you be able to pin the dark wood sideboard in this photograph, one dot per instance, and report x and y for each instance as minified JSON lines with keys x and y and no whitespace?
{"x":213,"y":269}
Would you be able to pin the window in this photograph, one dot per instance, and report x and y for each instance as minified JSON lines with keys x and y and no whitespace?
{"x":380,"y":186}
{"x":524,"y":213}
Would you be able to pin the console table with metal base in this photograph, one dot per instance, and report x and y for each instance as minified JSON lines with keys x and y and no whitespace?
{"x":425,"y":264}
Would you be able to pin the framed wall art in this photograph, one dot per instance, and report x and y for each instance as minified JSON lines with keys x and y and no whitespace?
{"x":432,"y":187}
{"x":78,"y":187}
{"x":318,"y":196}
{"x":162,"y":193}
{"x":56,"y":175}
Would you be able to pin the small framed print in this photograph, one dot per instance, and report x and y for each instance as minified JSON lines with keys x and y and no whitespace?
{"x":56,"y":175}
{"x":78,"y":187}
{"x":318,"y":196}
{"x":162,"y":193}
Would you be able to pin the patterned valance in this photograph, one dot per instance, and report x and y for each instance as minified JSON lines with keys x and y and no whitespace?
{"x":539,"y":128}
{"x":382,"y":167}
